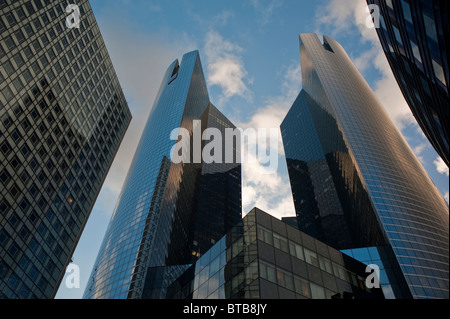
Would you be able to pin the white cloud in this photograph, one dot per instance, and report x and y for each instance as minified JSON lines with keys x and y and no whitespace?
{"x":344,"y":18}
{"x":272,"y":114}
{"x":225,"y":67}
{"x":221,"y":19}
{"x":275,"y":109}
{"x":336,"y":14}
{"x":418,"y":151}
{"x":441,"y":167}
{"x":389,"y":94}
{"x":208,"y":22}
{"x":361,"y":61}
{"x":271,"y":192}
{"x":340,"y":16}
{"x":265,"y":9}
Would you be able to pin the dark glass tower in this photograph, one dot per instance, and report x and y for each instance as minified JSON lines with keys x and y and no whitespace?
{"x":62,"y":118}
{"x":355,"y":181}
{"x":414,"y":35}
{"x":218,"y":192}
{"x":168,"y":213}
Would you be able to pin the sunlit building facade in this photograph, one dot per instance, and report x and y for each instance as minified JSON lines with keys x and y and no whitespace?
{"x":169,"y":212}
{"x":62,"y":118}
{"x":414,"y":35}
{"x":356,"y":183}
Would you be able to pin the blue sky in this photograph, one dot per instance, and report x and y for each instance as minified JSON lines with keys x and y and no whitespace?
{"x":250,"y":55}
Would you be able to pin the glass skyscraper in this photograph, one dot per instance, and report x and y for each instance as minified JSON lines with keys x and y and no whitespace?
{"x":168,"y":213}
{"x":414,"y":35}
{"x":62,"y":118}
{"x":356,"y":183}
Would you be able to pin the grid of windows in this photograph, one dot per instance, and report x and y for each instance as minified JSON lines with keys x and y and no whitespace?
{"x":420,"y":61}
{"x":265,"y":258}
{"x":62,"y":118}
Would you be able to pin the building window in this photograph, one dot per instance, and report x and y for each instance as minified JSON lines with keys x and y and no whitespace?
{"x":317,"y":292}
{"x":397,"y":35}
{"x":267,"y":272}
{"x":5,"y":177}
{"x":439,"y":72}
{"x":19,"y":60}
{"x":19,"y":36}
{"x":296,"y":250}
{"x":7,"y":93}
{"x":416,"y":51}
{"x":407,"y":11}
{"x":2,"y":26}
{"x":18,"y":84}
{"x":2,"y":51}
{"x":280,"y":242}
{"x":311,"y":258}
{"x":285,"y":279}
{"x":8,"y":67}
{"x":10,"y":18}
{"x":265,"y":235}
{"x":430,"y":27}
{"x":302,"y":287}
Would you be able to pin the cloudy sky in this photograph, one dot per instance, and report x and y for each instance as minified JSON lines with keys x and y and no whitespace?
{"x":250,"y":55}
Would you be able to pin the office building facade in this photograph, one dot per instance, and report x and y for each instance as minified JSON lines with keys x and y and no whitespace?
{"x":169,"y":212}
{"x":62,"y":118}
{"x":414,"y":36}
{"x":356,"y":183}
{"x":265,"y":258}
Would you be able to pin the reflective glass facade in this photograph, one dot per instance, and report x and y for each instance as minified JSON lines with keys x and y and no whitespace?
{"x":62,"y":118}
{"x":264,"y":258}
{"x":390,"y":274}
{"x":218,"y":194}
{"x":158,"y":227}
{"x":355,"y":181}
{"x":414,"y":36}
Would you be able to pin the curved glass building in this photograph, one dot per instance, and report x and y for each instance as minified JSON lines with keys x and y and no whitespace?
{"x":159,"y":226}
{"x":356,"y":183}
{"x":414,"y":35}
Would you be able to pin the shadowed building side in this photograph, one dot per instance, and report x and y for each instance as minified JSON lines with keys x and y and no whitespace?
{"x":414,"y":35}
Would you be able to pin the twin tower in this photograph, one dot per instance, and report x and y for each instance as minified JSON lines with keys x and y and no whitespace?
{"x":357,"y":186}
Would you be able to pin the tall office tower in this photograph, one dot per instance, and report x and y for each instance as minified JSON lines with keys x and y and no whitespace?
{"x":414,"y":35}
{"x":169,"y":212}
{"x":62,"y":118}
{"x":356,"y":183}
